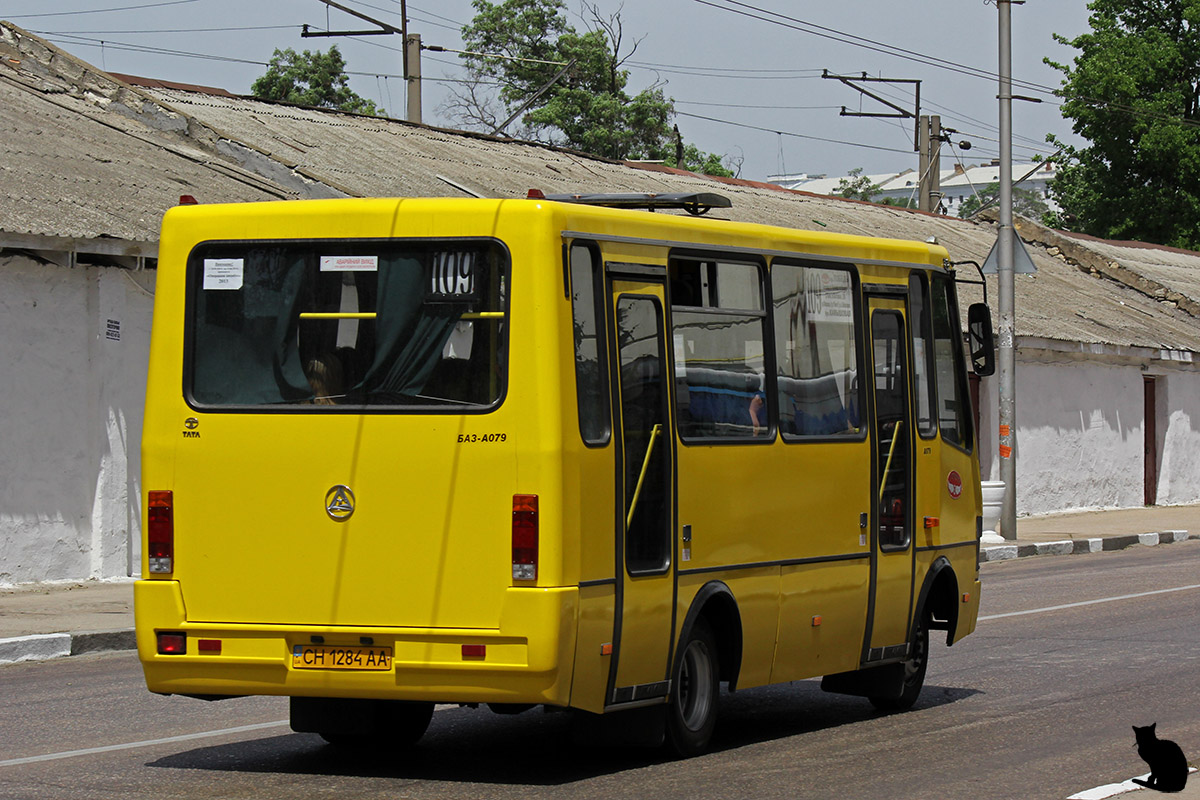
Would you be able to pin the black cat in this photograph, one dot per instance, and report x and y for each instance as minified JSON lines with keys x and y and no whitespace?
{"x":1168,"y":767}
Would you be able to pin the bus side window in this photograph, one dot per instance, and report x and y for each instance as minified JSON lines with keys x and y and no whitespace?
{"x":590,"y":368}
{"x":922,"y":353}
{"x":953,"y":402}
{"x":815,"y":351}
{"x":719,"y":334}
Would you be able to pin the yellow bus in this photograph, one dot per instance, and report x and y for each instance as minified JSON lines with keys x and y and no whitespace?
{"x":549,"y":451}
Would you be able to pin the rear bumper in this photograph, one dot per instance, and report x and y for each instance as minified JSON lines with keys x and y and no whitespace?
{"x":527,"y":659}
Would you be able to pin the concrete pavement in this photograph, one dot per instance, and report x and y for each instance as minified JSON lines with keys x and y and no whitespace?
{"x":39,"y":621}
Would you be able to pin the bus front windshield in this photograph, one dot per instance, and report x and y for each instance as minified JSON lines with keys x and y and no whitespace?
{"x":329,"y":324}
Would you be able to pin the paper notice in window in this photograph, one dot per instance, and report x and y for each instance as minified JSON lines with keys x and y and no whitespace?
{"x":223,"y":273}
{"x":349,"y":263}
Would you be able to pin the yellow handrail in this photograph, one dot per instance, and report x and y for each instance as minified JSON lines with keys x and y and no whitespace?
{"x":891,"y":451}
{"x":371,"y":315}
{"x":654,"y":433}
{"x":337,"y":315}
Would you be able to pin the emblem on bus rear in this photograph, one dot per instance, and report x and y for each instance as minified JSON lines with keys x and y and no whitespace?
{"x":339,"y":503}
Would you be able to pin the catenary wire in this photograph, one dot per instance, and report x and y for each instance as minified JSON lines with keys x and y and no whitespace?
{"x":102,"y":10}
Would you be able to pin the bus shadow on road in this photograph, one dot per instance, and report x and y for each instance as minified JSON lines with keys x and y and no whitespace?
{"x":536,"y":748}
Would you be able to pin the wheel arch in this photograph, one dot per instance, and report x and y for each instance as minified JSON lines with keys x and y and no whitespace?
{"x":715,"y":602}
{"x":939,"y":598}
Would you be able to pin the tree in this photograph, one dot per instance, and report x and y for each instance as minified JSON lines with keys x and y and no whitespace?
{"x":1134,"y":94}
{"x":521,"y":45}
{"x":856,"y":186}
{"x":312,"y":79}
{"x":1026,"y":202}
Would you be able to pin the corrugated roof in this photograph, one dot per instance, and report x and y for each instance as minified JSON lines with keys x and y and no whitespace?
{"x":76,"y":162}
{"x":86,"y":155}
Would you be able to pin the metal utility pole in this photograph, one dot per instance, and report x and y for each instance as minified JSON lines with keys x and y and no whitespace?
{"x":1006,"y":329}
{"x":411,"y":50}
{"x":927,"y":132}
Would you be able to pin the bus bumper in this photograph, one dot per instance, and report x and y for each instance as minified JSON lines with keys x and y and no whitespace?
{"x":526,"y":660}
{"x":968,"y":615}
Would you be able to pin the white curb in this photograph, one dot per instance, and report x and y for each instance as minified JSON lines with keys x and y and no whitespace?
{"x":35,"y":648}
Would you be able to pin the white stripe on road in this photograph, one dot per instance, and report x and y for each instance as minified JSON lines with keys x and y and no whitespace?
{"x":12,"y":762}
{"x":1089,"y":602}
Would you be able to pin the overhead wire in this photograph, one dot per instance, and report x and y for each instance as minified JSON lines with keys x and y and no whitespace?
{"x":783,"y":20}
{"x":789,"y":133}
{"x":102,"y":10}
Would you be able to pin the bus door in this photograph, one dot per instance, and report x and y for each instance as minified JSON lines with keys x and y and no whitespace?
{"x":645,"y":489}
{"x":892,"y":490}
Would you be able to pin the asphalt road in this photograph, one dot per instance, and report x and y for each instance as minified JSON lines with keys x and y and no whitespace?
{"x":1037,"y":703}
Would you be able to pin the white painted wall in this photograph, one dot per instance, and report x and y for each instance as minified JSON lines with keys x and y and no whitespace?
{"x":1179,"y":438}
{"x":1080,"y":435}
{"x":70,"y":435}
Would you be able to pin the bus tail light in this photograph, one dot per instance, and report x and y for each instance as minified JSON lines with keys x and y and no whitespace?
{"x":160,"y":528}
{"x":172,"y":643}
{"x":524,"y":537}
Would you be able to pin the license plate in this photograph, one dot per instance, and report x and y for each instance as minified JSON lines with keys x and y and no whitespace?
{"x":351,"y":657}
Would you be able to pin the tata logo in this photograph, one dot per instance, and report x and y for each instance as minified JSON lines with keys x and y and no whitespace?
{"x":339,"y":503}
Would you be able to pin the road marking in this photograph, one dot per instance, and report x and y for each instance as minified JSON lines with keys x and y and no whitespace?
{"x":1113,"y":789}
{"x":12,"y":762}
{"x":1089,"y":602}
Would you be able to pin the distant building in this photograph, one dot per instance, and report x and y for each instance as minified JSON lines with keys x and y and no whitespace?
{"x":957,"y":185}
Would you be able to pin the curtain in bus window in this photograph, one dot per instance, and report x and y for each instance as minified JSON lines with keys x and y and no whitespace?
{"x":816,"y":354}
{"x":245,"y":346}
{"x":410,"y":334}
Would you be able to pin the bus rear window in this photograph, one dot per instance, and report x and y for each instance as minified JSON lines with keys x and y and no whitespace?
{"x":347,"y":324}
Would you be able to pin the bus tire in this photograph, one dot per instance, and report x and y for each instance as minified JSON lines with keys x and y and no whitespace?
{"x":692,"y":708}
{"x":914,"y":670}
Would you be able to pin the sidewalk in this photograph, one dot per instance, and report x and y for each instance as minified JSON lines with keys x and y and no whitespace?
{"x":40,"y":621}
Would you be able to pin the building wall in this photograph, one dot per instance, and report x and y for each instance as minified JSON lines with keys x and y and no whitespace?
{"x":1081,"y":435}
{"x":74,"y":342}
{"x":1179,"y":438}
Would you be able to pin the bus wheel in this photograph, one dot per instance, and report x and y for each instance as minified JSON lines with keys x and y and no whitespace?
{"x":692,"y":711}
{"x":914,"y":671}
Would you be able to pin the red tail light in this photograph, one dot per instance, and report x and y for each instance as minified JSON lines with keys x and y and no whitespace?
{"x":524,"y":537}
{"x":172,"y":643}
{"x":160,"y":530}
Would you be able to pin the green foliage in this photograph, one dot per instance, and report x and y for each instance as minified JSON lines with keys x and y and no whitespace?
{"x":856,"y":186}
{"x":696,"y":160}
{"x":311,"y":79}
{"x":1026,"y":202}
{"x":590,"y":107}
{"x":1134,"y":94}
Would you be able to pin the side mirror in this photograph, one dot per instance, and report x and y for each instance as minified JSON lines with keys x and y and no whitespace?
{"x":982,"y":342}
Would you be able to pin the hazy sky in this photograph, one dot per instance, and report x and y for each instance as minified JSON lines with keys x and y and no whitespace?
{"x":755,"y":75}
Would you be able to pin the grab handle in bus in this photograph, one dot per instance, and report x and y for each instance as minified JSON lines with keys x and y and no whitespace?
{"x":891,"y":452}
{"x":654,"y":434}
